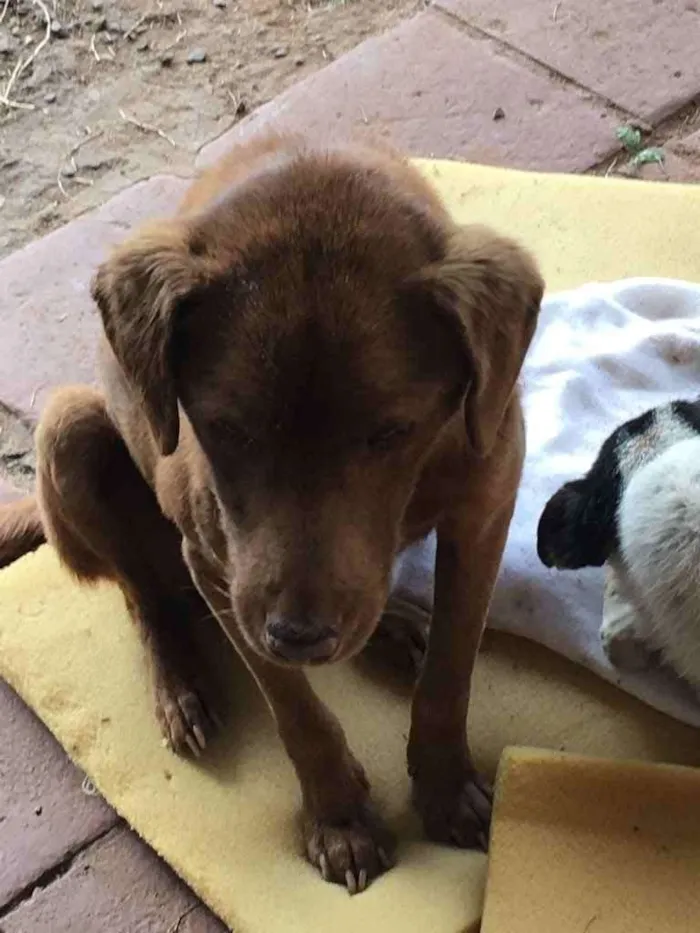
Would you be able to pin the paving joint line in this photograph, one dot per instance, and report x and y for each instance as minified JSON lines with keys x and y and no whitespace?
{"x":57,"y":871}
{"x":535,"y":64}
{"x":658,"y":134}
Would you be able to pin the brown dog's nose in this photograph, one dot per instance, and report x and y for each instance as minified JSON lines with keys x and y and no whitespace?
{"x":299,"y":640}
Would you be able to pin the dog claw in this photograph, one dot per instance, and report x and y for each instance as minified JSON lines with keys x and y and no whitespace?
{"x":323,"y":865}
{"x":384,"y":859}
{"x":362,"y":880}
{"x":199,"y":735}
{"x":350,"y":882}
{"x":193,"y":747}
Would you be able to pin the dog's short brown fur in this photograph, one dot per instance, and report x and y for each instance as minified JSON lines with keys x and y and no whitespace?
{"x":309,"y":367}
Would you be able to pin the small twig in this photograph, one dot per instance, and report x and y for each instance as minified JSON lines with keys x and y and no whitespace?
{"x":22,"y":66}
{"x":178,"y":38}
{"x":93,"y":49}
{"x":37,"y":390}
{"x":98,"y":57}
{"x":83,"y":142}
{"x":689,"y":118}
{"x":149,"y":15}
{"x":611,"y":168}
{"x":139,"y":22}
{"x":147,"y":128}
{"x":175,"y":927}
{"x":71,"y":155}
{"x":6,"y":100}
{"x":590,"y":923}
{"x":4,"y":11}
{"x":555,"y":11}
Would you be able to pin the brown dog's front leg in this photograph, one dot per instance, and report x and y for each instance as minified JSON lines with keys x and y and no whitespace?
{"x":453,"y":800}
{"x":343,"y":836}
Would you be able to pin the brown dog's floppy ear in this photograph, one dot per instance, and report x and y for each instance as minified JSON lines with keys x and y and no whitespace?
{"x":137,"y":291}
{"x":492,"y":289}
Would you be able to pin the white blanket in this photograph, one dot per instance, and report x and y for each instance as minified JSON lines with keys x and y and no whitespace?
{"x":602,"y":354}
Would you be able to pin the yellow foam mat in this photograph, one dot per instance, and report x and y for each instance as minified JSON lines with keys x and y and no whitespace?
{"x":228,"y":826}
{"x":584,"y":844}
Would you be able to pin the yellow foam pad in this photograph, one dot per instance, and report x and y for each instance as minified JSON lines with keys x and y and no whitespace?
{"x":228,"y":826}
{"x":584,"y":844}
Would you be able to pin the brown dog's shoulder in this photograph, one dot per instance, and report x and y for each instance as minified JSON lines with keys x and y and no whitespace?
{"x":270,"y":150}
{"x":236,"y":165}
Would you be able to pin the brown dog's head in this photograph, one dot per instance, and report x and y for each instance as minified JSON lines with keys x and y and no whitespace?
{"x":320,"y":323}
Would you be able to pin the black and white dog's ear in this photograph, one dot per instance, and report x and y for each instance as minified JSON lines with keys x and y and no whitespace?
{"x":578,"y":527}
{"x":687,"y":413}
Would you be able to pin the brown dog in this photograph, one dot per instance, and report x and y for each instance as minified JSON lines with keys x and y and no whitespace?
{"x":307,"y":368}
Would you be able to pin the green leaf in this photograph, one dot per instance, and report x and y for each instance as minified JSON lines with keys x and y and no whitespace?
{"x":630,"y":137}
{"x":645,"y":156}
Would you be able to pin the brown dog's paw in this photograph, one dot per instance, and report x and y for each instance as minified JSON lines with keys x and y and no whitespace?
{"x":351,"y":854}
{"x":185,"y":721}
{"x":460,"y":817}
{"x":401,"y":640}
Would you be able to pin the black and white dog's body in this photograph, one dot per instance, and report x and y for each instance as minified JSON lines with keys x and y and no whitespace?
{"x":637,"y":510}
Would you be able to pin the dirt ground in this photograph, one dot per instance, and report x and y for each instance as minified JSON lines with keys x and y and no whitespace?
{"x":96,"y":94}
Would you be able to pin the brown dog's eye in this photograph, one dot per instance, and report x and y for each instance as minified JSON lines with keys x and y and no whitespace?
{"x":389,"y":435}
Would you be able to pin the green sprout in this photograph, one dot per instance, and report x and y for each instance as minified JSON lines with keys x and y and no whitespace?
{"x":631,"y":139}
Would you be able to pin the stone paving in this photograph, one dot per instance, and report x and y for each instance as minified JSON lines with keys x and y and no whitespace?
{"x":532,"y":84}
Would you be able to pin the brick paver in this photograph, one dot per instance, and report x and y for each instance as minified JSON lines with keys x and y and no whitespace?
{"x":432,"y":90}
{"x":8,"y":491}
{"x":688,"y":147}
{"x":116,"y":886}
{"x":49,"y":326}
{"x":44,"y":813}
{"x":682,"y":161}
{"x":641,"y":54}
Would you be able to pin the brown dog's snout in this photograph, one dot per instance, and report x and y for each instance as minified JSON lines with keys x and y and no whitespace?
{"x":293,"y":638}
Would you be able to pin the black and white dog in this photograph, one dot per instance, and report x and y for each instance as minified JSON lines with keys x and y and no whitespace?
{"x":637,"y":511}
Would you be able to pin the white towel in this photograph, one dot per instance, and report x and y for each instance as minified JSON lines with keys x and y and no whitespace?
{"x":602,"y":354}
